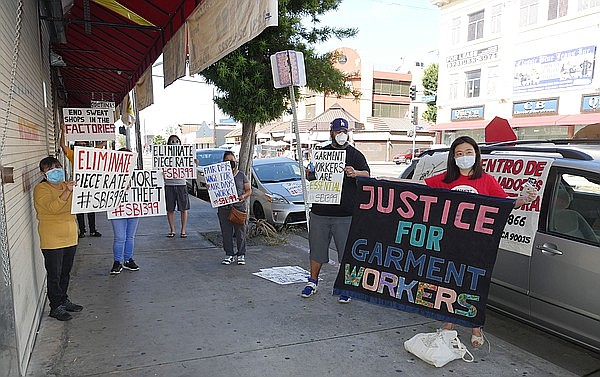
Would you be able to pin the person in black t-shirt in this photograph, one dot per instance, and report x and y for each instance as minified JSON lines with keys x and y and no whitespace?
{"x":333,"y":220}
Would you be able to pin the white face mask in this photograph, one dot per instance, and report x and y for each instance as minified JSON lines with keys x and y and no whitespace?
{"x":341,"y":138}
{"x":465,"y":162}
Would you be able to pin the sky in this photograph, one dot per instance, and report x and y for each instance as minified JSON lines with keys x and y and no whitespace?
{"x":388,"y":31}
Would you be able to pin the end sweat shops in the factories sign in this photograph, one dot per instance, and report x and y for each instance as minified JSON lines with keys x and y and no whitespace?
{"x":423,"y":250}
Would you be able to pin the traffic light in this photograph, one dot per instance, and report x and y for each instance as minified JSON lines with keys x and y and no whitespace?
{"x":415,"y":116}
{"x":413,"y":92}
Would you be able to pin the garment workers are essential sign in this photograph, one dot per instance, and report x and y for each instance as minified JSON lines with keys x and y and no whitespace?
{"x":93,"y":124}
{"x":145,"y":197}
{"x":175,"y":161}
{"x":221,"y":185}
{"x":329,"y":173}
{"x":102,"y":178}
{"x":424,"y":250}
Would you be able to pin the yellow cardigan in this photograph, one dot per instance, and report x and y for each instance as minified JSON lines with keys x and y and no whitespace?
{"x":56,"y":225}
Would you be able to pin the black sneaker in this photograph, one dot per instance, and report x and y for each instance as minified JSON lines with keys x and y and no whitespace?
{"x":82,"y":234}
{"x":130,"y":265}
{"x":71,"y":307}
{"x":60,"y":313}
{"x":95,"y":233}
{"x":116,"y":268}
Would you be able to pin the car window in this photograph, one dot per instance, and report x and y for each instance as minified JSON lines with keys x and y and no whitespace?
{"x":575,"y":208}
{"x":209,"y":157}
{"x":278,"y":172}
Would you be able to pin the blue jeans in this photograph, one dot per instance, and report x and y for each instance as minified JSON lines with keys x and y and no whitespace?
{"x":124,"y":230}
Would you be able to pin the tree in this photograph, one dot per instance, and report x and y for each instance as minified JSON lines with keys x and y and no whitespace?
{"x":159,"y":140}
{"x":244,"y":79}
{"x":430,"y":83}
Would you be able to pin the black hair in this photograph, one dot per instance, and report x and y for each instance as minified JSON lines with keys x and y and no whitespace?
{"x":228,"y":153}
{"x":452,"y":170}
{"x":124,"y":150}
{"x":48,"y":162}
{"x":173,"y":137}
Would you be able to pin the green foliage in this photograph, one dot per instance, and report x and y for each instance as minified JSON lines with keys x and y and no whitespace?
{"x":430,"y":83}
{"x":159,"y":140}
{"x":244,"y":79}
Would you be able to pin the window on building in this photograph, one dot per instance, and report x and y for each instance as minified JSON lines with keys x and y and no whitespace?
{"x":390,"y":88}
{"x":310,"y":110}
{"x":528,"y":12}
{"x":456,"y":31}
{"x":472,"y":83}
{"x":492,"y":80}
{"x":453,"y":86}
{"x":496,"y":18}
{"x":389,"y":110}
{"x":475,"y":30}
{"x":557,"y":8}
{"x":587,"y":4}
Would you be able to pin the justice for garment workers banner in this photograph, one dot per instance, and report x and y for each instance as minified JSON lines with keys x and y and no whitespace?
{"x":512,"y":172}
{"x":221,"y":185}
{"x":423,"y":250}
{"x":175,"y":161}
{"x":329,"y":173}
{"x":102,"y":178}
{"x":145,"y":197}
{"x":89,"y":124}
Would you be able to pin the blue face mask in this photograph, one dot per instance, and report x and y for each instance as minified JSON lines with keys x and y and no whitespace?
{"x":56,"y":175}
{"x":174,"y":142}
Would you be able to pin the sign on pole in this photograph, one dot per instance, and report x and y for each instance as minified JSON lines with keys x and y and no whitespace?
{"x":102,"y":178}
{"x":221,"y":185}
{"x":93,"y":124}
{"x":288,"y":69}
{"x":329,"y":173}
{"x":145,"y":197}
{"x":175,"y":161}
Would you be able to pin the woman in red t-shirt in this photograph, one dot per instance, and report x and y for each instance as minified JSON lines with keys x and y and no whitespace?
{"x":464,"y":172}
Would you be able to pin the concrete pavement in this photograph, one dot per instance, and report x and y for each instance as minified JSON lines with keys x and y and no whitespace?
{"x":185,"y":314}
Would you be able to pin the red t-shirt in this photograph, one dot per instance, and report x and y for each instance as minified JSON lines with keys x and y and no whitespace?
{"x":486,"y":185}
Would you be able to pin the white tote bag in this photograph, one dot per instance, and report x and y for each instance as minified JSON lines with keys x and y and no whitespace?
{"x":438,"y":348}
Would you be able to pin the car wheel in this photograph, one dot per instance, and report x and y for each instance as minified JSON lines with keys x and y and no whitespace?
{"x":258,"y":211}
{"x":408,"y":160}
{"x":195,"y":189}
{"x":397,"y":162}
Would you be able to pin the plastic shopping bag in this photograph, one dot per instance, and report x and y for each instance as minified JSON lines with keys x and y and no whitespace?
{"x":438,"y":348}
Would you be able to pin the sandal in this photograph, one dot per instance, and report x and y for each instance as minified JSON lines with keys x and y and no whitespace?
{"x":477,"y":340}
{"x":183,"y":235}
{"x":170,"y":235}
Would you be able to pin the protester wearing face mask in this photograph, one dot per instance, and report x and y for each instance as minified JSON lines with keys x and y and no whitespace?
{"x":176,"y":196}
{"x":230,"y":230}
{"x":57,"y":229}
{"x":329,"y":221}
{"x":464,"y":172}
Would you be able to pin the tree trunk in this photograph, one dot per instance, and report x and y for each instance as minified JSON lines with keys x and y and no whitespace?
{"x":247,"y":148}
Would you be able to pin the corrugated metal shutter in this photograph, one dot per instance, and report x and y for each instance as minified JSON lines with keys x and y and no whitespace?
{"x":29,"y":137}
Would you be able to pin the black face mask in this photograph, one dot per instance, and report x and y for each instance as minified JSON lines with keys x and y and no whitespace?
{"x":233,"y":164}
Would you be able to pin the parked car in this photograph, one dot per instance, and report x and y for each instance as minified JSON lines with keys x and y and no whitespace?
{"x":407,"y":156}
{"x":277,"y":191}
{"x":555,"y":285}
{"x":204,"y":157}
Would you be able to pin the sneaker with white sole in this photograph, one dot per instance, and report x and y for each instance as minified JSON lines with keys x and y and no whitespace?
{"x":116,"y":268}
{"x":131,"y":265}
{"x":241,"y":259}
{"x":309,"y":290}
{"x":344,"y":299}
{"x":229,"y":259}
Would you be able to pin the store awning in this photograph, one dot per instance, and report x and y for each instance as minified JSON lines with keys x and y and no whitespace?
{"x":464,"y":125}
{"x":579,"y":119}
{"x":549,"y":120}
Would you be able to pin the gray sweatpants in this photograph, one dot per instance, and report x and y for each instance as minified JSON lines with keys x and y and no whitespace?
{"x":322,"y":229}
{"x":229,"y":230}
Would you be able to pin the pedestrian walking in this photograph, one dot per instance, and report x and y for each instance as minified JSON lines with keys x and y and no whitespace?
{"x":329,"y":221}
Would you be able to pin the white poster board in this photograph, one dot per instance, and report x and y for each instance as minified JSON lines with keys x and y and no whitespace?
{"x":93,"y":124}
{"x":284,"y":275}
{"x":329,"y":171}
{"x":145,"y":197}
{"x":175,"y":161}
{"x":102,"y":178}
{"x":221,"y":185}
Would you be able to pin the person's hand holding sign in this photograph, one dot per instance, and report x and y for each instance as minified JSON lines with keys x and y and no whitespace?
{"x":353,"y":173}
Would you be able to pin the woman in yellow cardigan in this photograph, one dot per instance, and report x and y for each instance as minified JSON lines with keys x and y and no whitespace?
{"x":58,"y":235}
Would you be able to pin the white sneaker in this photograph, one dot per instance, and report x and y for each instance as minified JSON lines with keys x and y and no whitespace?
{"x":309,"y":290}
{"x":228,"y":259}
{"x":241,"y":259}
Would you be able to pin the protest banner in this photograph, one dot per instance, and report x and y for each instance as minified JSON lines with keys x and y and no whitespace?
{"x":92,"y":124}
{"x":512,"y":172}
{"x":329,"y":173}
{"x":175,"y":161}
{"x":102,"y":178}
{"x":424,"y":250}
{"x":145,"y":197}
{"x":221,"y":186}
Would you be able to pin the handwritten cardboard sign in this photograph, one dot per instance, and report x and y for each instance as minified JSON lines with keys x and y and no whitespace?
{"x":89,"y":124}
{"x":175,"y":161}
{"x":102,"y":178}
{"x":329,"y":172}
{"x":221,"y":185}
{"x":145,"y":197}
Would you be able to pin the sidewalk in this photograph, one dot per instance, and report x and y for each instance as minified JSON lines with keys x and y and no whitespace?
{"x":185,"y":314}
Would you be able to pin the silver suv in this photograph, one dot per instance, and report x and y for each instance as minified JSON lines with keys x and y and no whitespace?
{"x":551,"y":277}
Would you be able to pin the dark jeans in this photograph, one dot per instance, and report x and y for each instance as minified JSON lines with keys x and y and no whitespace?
{"x":91,"y":220}
{"x":58,"y":263}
